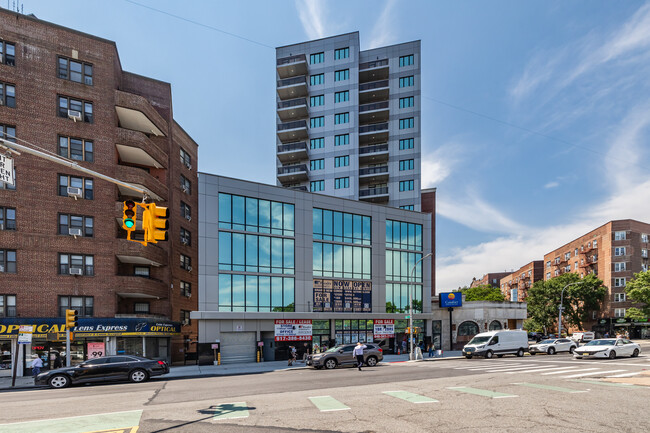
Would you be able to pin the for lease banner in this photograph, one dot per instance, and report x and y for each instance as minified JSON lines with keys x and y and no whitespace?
{"x":384,"y":328}
{"x":292,"y":330}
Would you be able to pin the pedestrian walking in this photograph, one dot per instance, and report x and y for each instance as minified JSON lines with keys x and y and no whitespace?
{"x":358,"y":353}
{"x":37,"y":364}
{"x":58,"y":362}
{"x":305,"y":355}
{"x":404,"y":345}
{"x":431,"y":347}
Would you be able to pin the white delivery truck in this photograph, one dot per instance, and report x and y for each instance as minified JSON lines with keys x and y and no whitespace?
{"x":497,"y":343}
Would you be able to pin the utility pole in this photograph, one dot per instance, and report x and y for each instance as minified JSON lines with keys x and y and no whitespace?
{"x":559,"y":319}
{"x":411,"y":355}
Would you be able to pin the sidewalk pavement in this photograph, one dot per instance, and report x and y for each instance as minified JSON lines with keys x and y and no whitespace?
{"x":189,"y":371}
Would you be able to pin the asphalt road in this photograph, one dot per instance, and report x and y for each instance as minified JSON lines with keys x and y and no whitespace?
{"x":541,"y":393}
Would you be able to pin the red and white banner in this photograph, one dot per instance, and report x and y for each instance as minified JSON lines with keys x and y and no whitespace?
{"x":384,"y":328}
{"x":293,"y":330}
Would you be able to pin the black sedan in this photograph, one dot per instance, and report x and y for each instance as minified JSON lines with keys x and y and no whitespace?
{"x":104,"y":369}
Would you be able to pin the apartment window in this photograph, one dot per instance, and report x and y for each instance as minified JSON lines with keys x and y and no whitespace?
{"x":619,"y":282}
{"x":595,"y":244}
{"x":341,"y":118}
{"x":73,"y":70}
{"x":619,"y":251}
{"x":317,"y":122}
{"x":7,"y":53}
{"x":317,"y":185}
{"x":407,"y":207}
{"x":83,"y":305}
{"x":8,"y":132}
{"x":644,"y":267}
{"x":317,"y":164}
{"x":315,"y":101}
{"x":8,"y":261}
{"x":186,"y":185}
{"x":575,"y":266}
{"x":316,"y":79}
{"x":186,"y":262}
{"x":342,"y":161}
{"x":406,"y":185}
{"x":567,"y":256}
{"x":406,"y":164}
{"x":186,"y":159}
{"x":7,"y":218}
{"x":317,"y":143}
{"x":141,"y":271}
{"x":316,"y":58}
{"x":69,"y":222}
{"x":619,"y":297}
{"x":644,"y":253}
{"x":406,"y":143}
{"x":185,"y":318}
{"x":77,"y":149}
{"x":557,"y":260}
{"x":406,"y":102}
{"x":556,"y":273}
{"x":406,"y":123}
{"x":7,"y":305}
{"x":186,"y":289}
{"x":406,"y":81}
{"x":341,"y":96}
{"x":341,"y":53}
{"x":548,"y":275}
{"x":186,"y":237}
{"x":341,"y":140}
{"x":8,"y":95}
{"x":186,"y":211}
{"x":567,"y":268}
{"x":72,"y":264}
{"x":644,"y":237}
{"x":75,"y":107}
{"x":342,"y":75}
{"x":341,"y":182}
{"x":141,"y":307}
{"x":406,"y":60}
{"x":619,"y":236}
{"x":619,"y":312}
{"x":619,"y":267}
{"x":548,"y":264}
{"x":84,"y":184}
{"x":575,"y":253}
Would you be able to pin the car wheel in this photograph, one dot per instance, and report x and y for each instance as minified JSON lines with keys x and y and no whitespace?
{"x":635,"y":353}
{"x":371,"y":361}
{"x":468,"y":356}
{"x":612,"y":354}
{"x":520,"y":352}
{"x":489,"y":354}
{"x":330,"y":363}
{"x":138,"y":376}
{"x":59,"y":381}
{"x":572,"y":349}
{"x":551,"y":351}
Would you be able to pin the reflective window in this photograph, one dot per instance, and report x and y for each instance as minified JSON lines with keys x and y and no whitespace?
{"x":341,"y":227}
{"x":403,"y":236}
{"x":7,"y":53}
{"x":317,"y":143}
{"x":256,"y":293}
{"x":7,"y":218}
{"x":255,"y":215}
{"x":241,"y":252}
{"x":406,"y":81}
{"x":341,"y":140}
{"x":341,"y":53}
{"x":399,"y":265}
{"x":8,"y":261}
{"x":406,"y":143}
{"x":73,"y":70}
{"x":341,"y":261}
{"x":316,"y":58}
{"x":8,"y":95}
{"x":397,"y":297}
{"x":406,"y":102}
{"x":342,"y":75}
{"x":77,"y":149}
{"x":341,"y":96}
{"x":406,"y":60}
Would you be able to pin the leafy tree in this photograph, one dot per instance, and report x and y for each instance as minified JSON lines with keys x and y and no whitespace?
{"x":390,"y":307}
{"x":483,"y":293}
{"x":638,"y":290}
{"x":636,"y":314}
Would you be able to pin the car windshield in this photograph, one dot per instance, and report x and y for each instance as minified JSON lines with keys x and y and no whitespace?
{"x":334,"y":349}
{"x":601,"y":343}
{"x":547,"y":342}
{"x":479,"y":340}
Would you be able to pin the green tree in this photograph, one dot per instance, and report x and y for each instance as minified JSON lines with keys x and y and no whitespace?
{"x":483,"y":293}
{"x":638,"y":290}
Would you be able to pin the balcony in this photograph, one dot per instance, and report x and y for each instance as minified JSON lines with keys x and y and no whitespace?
{"x":373,"y":154}
{"x":292,"y":66}
{"x":373,"y":71}
{"x":136,"y":254}
{"x":292,"y":109}
{"x":132,"y":286}
{"x":375,"y":195}
{"x":134,"y":147}
{"x":292,"y":131}
{"x":292,"y":152}
{"x":374,"y":112}
{"x":136,"y":112}
{"x":140,"y":177}
{"x":374,"y":91}
{"x":291,"y":88}
{"x":292,"y":173}
{"x":374,"y":133}
{"x":299,"y":188}
{"x":373,"y":174}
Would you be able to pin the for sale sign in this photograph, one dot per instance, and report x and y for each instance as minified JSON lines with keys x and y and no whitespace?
{"x":292,"y":330}
{"x":7,"y":170}
{"x":25,"y":333}
{"x":384,"y":328}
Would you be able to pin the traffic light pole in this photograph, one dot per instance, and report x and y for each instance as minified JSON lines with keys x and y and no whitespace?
{"x":67,"y":347}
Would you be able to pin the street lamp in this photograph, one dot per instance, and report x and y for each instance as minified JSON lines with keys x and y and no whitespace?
{"x":411,"y":303}
{"x":559,"y":320}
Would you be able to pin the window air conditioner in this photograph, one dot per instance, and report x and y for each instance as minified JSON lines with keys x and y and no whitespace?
{"x":74,"y":232}
{"x":184,"y":188}
{"x":2,"y":226}
{"x":75,"y":192}
{"x":74,"y":115}
{"x":189,"y":166}
{"x":188,"y":217}
{"x":185,"y":242}
{"x":76,"y":271}
{"x":186,"y":322}
{"x":188,"y":268}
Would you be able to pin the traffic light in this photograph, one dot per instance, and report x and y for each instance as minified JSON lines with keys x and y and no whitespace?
{"x":408,"y":330}
{"x":129,"y":217}
{"x":155,"y":223}
{"x":70,"y":318}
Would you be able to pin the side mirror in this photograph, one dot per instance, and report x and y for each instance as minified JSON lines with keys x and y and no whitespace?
{"x":340,"y":350}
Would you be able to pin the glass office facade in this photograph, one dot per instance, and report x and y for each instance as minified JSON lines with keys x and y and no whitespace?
{"x":403,"y":251}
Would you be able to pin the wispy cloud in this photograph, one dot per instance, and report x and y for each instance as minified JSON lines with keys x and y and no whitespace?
{"x":440,"y":164}
{"x":382,"y":32}
{"x":312,"y":15}
{"x":552,"y":184}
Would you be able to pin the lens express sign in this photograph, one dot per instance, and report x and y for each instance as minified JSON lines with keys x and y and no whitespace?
{"x":90,"y":327}
{"x":293,"y":330}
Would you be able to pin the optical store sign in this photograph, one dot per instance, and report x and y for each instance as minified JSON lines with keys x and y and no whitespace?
{"x":10,"y":328}
{"x":293,"y":330}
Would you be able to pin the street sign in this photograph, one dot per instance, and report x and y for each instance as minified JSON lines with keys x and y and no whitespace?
{"x":7,"y":170}
{"x":25,"y":334}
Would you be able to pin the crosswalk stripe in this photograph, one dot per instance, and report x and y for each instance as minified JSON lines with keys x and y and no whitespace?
{"x":600,"y":382}
{"x":494,"y":367}
{"x":568,"y":370}
{"x":234,"y":410}
{"x":410,"y":397}
{"x":626,"y":374}
{"x":551,"y":388}
{"x":532,"y":370}
{"x":79,"y":424}
{"x":591,"y":374}
{"x":481,"y":392}
{"x":520,"y":367}
{"x":325,"y":403}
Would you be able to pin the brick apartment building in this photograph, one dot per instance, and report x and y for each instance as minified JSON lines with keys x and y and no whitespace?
{"x":490,"y":279}
{"x":614,"y":252}
{"x":515,"y":286}
{"x":61,"y":241}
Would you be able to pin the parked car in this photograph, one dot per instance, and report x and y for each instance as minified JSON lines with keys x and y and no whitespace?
{"x":497,"y":343}
{"x":342,"y":355}
{"x":581,"y":337}
{"x":104,"y":369}
{"x":552,"y":346}
{"x":607,"y":348}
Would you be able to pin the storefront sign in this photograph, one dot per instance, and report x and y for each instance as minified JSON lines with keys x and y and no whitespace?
{"x":25,"y":333}
{"x":96,"y":350}
{"x":91,"y":327}
{"x":7,"y":170}
{"x":384,"y":328}
{"x":292,"y":330}
{"x":342,"y":296}
{"x":451,"y":299}
{"x":214,"y":346}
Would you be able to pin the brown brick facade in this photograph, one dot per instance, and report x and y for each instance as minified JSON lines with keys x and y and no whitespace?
{"x":521,"y":280}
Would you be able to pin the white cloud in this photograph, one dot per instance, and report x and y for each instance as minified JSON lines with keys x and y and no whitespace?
{"x":312,"y":15}
{"x":439,"y":164}
{"x":552,"y":184}
{"x":382,"y":33}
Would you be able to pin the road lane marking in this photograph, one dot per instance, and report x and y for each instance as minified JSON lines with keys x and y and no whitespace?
{"x":551,"y":388}
{"x":410,"y":397}
{"x":481,"y":392}
{"x":626,"y":374}
{"x":591,"y":374}
{"x":229,"y":411}
{"x":569,"y":370}
{"x":493,"y":367}
{"x":599,"y":382}
{"x":521,"y":367}
{"x":78,"y":424}
{"x":532,"y":370}
{"x":325,"y":403}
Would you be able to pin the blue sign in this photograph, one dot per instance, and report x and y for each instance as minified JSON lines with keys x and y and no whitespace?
{"x":451,"y":299}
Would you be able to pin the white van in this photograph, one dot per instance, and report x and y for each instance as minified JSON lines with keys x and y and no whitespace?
{"x":581,"y":337}
{"x":497,"y":343}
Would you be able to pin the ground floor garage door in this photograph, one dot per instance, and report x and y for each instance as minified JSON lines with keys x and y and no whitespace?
{"x":237,"y":347}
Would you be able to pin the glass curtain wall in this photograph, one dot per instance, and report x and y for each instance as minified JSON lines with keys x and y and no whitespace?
{"x":403,"y":250}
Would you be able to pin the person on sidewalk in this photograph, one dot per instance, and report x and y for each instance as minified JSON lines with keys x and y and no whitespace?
{"x":306,"y":354}
{"x":431,"y":348}
{"x":37,"y":364}
{"x":358,"y":353}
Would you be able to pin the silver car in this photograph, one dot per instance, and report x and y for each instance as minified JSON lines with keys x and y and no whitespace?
{"x":553,"y":345}
{"x":342,"y":355}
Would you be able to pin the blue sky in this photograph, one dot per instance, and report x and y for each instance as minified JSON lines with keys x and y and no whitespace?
{"x":535,"y":114}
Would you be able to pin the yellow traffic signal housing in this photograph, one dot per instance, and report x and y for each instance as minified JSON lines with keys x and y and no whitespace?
{"x":129,"y":217}
{"x":408,"y":330}
{"x":70,"y":318}
{"x":155,"y":223}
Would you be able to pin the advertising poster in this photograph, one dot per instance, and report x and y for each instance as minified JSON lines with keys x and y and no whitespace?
{"x":96,"y":350}
{"x":384,"y":328}
{"x":451,"y":300}
{"x":342,"y":296}
{"x":293,"y":330}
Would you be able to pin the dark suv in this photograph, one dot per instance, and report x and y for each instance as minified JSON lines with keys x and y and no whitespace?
{"x":342,"y":355}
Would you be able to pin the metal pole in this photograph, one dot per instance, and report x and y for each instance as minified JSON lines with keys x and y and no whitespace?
{"x":559,"y":319}
{"x":411,"y":355}
{"x":67,"y":347}
{"x":451,"y":333}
